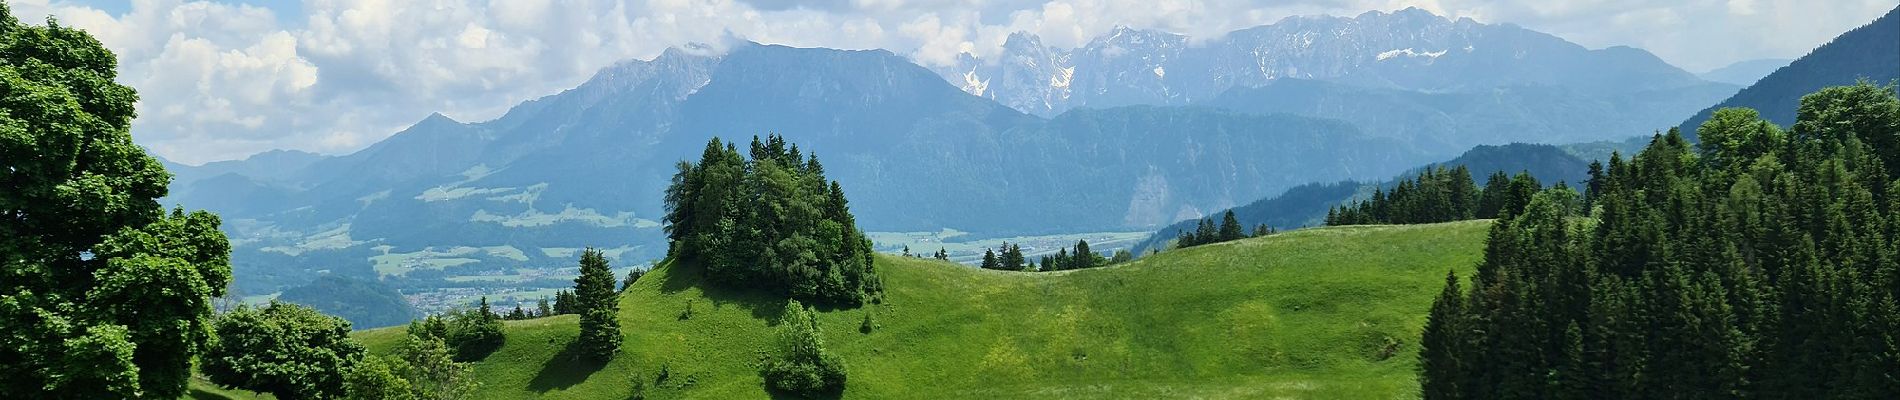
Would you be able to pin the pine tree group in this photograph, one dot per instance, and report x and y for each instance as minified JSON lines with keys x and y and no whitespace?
{"x":1758,"y":264}
{"x":769,"y":222}
{"x":1228,"y":230}
{"x":1439,"y":195}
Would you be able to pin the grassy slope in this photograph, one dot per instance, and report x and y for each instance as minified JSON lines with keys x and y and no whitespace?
{"x":1305,"y":314}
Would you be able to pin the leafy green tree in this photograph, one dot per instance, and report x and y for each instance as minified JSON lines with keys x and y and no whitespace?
{"x":377,"y":378}
{"x":799,"y":364}
{"x":599,"y":307}
{"x":474,"y":333}
{"x":541,"y":308}
{"x":431,"y":370}
{"x":287,"y":350}
{"x":102,"y":293}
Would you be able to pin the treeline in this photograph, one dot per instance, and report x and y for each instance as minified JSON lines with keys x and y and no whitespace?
{"x":1759,"y":264}
{"x":1440,"y":194}
{"x":770,"y":222}
{"x":1228,"y":230}
{"x":1009,"y":257}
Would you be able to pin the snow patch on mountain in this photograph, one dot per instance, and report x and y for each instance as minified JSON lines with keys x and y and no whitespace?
{"x":1410,"y":52}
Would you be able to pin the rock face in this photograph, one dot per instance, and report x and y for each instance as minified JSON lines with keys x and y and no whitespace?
{"x":1410,"y":49}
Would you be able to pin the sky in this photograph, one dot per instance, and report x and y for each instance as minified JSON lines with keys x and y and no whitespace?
{"x":224,"y":79}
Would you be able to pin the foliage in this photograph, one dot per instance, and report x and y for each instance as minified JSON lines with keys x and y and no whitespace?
{"x":1439,"y":195}
{"x":599,"y":307}
{"x":799,"y":363}
{"x":473,"y":333}
{"x":1007,"y":257}
{"x":102,"y":293}
{"x":377,"y":378}
{"x":431,"y":370}
{"x":566,"y":303}
{"x":1228,"y":230}
{"x":769,"y":222}
{"x":288,"y":350}
{"x":1759,"y":264}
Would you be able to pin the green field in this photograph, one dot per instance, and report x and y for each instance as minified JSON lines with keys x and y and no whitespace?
{"x":1315,"y":313}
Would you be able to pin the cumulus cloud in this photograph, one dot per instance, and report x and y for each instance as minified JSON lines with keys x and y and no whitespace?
{"x":222,"y":80}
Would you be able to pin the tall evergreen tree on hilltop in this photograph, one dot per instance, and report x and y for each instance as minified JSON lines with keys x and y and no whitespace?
{"x":598,"y":305}
{"x":1230,"y":229}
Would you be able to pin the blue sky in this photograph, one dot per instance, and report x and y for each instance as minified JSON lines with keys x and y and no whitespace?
{"x":223,"y":79}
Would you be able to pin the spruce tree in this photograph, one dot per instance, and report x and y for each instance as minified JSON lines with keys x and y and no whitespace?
{"x":1440,"y":372}
{"x":1230,"y":229}
{"x":1084,"y":258}
{"x":989,"y":260}
{"x":599,"y":307}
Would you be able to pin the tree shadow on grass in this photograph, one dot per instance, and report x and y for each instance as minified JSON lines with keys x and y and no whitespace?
{"x":201,"y":394}
{"x":681,"y":276}
{"x":565,"y":369}
{"x":782,"y":395}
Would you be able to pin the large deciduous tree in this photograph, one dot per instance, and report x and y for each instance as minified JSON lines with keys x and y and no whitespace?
{"x":102,"y":293}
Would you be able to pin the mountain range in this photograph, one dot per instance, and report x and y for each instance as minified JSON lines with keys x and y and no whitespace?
{"x":1409,"y":49}
{"x":1236,"y":120}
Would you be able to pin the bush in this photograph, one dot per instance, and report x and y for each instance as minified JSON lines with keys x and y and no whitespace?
{"x":288,"y":350}
{"x":799,"y":364}
{"x":473,"y":334}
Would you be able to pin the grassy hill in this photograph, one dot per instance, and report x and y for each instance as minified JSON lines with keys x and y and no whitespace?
{"x":1316,"y":313}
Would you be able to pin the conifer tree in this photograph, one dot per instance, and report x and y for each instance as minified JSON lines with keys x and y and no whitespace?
{"x":1440,"y":369}
{"x":1230,"y":229}
{"x":989,"y":260}
{"x":1083,"y":258}
{"x":599,"y":306}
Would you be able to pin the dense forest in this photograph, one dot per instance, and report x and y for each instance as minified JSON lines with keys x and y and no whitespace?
{"x":1760,"y":263}
{"x":1441,"y":195}
{"x":771,"y":222}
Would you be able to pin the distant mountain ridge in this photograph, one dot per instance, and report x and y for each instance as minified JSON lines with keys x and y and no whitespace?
{"x":1409,"y":49}
{"x":1870,"y":52}
{"x":585,"y":167}
{"x":1745,"y":72}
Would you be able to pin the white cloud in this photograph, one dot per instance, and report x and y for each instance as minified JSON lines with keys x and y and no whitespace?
{"x":221,"y":81}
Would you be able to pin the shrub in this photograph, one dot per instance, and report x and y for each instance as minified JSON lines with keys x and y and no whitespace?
{"x":799,"y":364}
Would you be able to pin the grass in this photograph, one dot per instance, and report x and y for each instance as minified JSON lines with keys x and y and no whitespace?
{"x":1316,"y":313}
